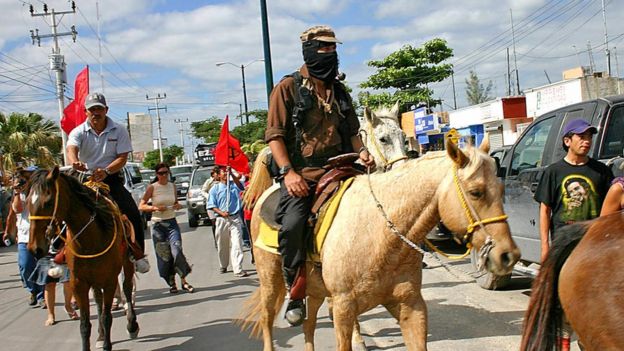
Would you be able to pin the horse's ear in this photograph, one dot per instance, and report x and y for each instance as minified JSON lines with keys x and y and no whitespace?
{"x":456,"y":154}
{"x":54,"y":174}
{"x":368,"y":114}
{"x":485,"y":144}
{"x":394,"y":111}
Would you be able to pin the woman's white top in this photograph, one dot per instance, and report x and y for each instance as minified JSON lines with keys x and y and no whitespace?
{"x":163,"y":195}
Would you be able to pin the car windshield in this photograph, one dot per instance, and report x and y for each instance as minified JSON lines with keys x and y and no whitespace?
{"x":182,"y":178}
{"x":200,"y":176}
{"x":181,"y":169}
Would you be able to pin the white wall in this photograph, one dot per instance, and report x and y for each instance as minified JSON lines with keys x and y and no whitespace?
{"x":141,"y":132}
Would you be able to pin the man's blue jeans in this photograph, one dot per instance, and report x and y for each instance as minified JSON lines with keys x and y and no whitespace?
{"x":26,"y":262}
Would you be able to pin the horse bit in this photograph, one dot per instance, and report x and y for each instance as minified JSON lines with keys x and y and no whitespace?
{"x":473,"y":219}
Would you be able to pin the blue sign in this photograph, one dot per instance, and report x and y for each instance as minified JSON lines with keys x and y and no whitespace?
{"x":425,"y":124}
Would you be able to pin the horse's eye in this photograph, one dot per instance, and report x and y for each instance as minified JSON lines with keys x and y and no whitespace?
{"x":383,"y":140}
{"x":477,"y":194}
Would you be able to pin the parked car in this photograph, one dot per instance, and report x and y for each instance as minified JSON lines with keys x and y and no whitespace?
{"x":133,"y":181}
{"x":195,"y":201}
{"x":182,"y":181}
{"x":540,"y":146}
{"x":147,"y":175}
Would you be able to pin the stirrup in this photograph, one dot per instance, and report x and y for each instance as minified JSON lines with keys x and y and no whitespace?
{"x":295,"y":312}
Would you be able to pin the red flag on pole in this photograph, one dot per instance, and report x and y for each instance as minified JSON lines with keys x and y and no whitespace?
{"x":74,"y":114}
{"x":228,"y":151}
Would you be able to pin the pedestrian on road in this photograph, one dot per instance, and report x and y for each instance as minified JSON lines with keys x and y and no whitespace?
{"x":224,"y":199}
{"x":214,"y":179}
{"x":166,"y":235}
{"x":101,"y":146}
{"x":614,"y":201}
{"x":570,"y":190}
{"x":311,"y":118}
{"x":26,"y":261}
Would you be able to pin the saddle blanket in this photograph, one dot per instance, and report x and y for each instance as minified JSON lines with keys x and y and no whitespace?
{"x":267,"y":238}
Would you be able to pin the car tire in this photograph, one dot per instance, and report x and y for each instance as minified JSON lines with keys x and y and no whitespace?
{"x":488,"y":280}
{"x":192,"y":220}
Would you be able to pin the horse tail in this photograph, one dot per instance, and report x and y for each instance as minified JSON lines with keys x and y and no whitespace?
{"x":251,"y":314}
{"x":544,"y":317}
{"x":260,"y":179}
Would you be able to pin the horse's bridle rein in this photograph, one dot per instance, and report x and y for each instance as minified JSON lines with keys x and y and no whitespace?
{"x":53,"y":222}
{"x":386,"y":164}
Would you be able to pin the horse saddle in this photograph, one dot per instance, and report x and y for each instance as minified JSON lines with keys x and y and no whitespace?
{"x":339,"y":168}
{"x":329,"y":192}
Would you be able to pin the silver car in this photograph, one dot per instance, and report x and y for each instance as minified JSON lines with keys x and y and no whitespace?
{"x":195,"y":201}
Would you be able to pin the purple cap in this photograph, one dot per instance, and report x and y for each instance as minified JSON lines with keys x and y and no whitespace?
{"x":578,"y":126}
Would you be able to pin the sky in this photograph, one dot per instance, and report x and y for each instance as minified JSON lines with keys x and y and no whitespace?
{"x":172,"y":47}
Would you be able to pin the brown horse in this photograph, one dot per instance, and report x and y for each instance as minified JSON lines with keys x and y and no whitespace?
{"x":582,"y":279}
{"x":364,"y":264}
{"x":96,"y":249}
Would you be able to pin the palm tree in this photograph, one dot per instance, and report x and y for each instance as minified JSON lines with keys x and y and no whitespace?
{"x":28,"y":139}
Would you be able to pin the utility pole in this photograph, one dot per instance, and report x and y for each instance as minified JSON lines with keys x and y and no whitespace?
{"x":181,"y":130}
{"x":513,"y":36}
{"x":57,"y":61}
{"x":97,"y":12}
{"x":508,"y":75}
{"x":607,"y":53}
{"x":158,"y":108}
{"x":454,"y":97}
{"x":245,"y":95}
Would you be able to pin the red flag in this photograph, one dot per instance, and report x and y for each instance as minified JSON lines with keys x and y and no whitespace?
{"x":228,"y":151}
{"x":74,"y":114}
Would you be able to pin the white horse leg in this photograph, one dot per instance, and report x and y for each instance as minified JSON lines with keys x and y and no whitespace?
{"x":356,"y":339}
{"x":412,"y":317}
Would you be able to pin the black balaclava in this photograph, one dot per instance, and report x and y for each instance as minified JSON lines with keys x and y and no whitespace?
{"x":321,"y":65}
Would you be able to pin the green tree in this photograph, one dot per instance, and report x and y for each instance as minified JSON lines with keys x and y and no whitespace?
{"x":407,"y":72}
{"x":170,"y":153}
{"x":29,"y":139}
{"x":208,"y":130}
{"x":476,"y":93}
{"x":254,"y":130}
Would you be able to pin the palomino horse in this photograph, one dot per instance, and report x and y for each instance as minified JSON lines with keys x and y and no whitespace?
{"x":95,"y":250}
{"x":365,"y":264}
{"x":382,"y":136}
{"x":583,"y":275}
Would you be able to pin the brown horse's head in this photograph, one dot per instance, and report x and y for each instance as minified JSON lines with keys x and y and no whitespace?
{"x":43,"y":206}
{"x":471,"y":205}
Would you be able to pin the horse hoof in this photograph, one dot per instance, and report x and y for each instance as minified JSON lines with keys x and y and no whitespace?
{"x":99,"y":344}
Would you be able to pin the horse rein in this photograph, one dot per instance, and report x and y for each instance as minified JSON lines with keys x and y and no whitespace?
{"x":53,"y":220}
{"x":386,"y":164}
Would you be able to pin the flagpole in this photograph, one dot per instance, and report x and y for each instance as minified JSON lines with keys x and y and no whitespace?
{"x":227,"y":148}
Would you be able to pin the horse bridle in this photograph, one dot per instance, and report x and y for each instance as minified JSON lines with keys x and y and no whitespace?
{"x":386,"y":164}
{"x":54,"y":221}
{"x":471,"y":214}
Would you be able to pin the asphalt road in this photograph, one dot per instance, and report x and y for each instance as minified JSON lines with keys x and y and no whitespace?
{"x":462,"y":316}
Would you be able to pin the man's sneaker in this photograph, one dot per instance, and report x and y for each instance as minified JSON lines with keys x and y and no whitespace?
{"x":222,"y":270}
{"x":32,"y":300}
{"x":241,"y":274}
{"x":142,"y":265}
{"x":295,"y":312}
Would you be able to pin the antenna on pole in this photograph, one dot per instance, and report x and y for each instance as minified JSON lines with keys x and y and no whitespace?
{"x":592,"y":65}
{"x":513,"y":37}
{"x":607,"y":53}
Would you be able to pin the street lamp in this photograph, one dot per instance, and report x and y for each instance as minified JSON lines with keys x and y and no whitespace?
{"x":242,"y":67}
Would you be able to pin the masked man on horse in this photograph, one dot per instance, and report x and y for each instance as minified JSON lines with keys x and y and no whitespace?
{"x":101,"y":146}
{"x":311,"y":119}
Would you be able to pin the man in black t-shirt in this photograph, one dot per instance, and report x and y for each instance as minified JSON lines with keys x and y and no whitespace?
{"x":573,"y":188}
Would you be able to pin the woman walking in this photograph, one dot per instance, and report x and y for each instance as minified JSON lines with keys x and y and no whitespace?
{"x":165,"y":230}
